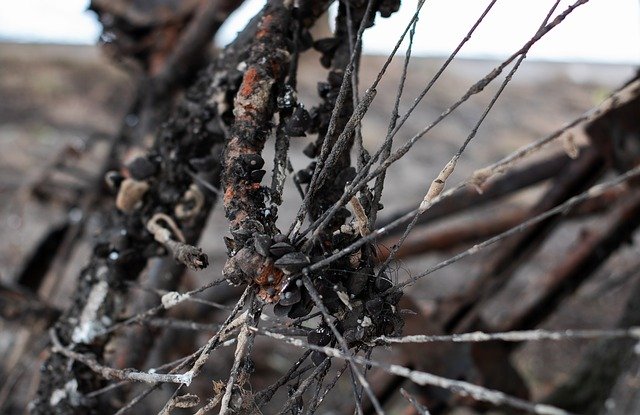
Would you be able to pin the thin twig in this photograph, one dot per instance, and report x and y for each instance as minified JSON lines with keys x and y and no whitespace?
{"x":422,"y":410}
{"x":517,"y":336}
{"x":423,"y":378}
{"x":111,"y":373}
{"x":327,"y":318}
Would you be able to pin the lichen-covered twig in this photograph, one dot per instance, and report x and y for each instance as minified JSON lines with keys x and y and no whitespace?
{"x":423,"y":378}
{"x":111,"y":373}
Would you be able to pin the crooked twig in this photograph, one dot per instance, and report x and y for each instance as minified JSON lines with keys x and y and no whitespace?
{"x":192,"y":257}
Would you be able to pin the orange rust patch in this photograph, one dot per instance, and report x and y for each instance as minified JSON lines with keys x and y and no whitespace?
{"x":228,"y":195}
{"x":264,"y":26}
{"x":249,"y":82}
{"x":268,"y":272}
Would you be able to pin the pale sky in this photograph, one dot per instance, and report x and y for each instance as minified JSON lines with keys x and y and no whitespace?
{"x":601,"y":30}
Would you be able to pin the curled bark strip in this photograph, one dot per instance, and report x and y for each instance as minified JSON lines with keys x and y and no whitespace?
{"x":192,"y":202}
{"x":437,"y":185}
{"x":130,"y":195}
{"x":362,"y":222}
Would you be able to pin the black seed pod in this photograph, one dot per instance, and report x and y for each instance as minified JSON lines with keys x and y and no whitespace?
{"x":233,"y":274}
{"x":101,"y":249}
{"x":262,"y":243}
{"x":290,"y":296}
{"x":279,"y":249}
{"x":388,"y":7}
{"x":325,"y":60}
{"x":141,"y":168}
{"x":326,"y":45}
{"x":383,"y":284}
{"x":113,"y":179}
{"x":306,"y":40}
{"x":252,"y":161}
{"x":302,"y":307}
{"x":374,"y":306}
{"x":330,"y":298}
{"x":318,"y":357}
{"x":310,"y":150}
{"x":345,"y":176}
{"x":358,"y":280}
{"x":292,"y":262}
{"x":280,"y":238}
{"x":298,"y":123}
{"x":354,"y":334}
{"x":256,"y":176}
{"x":281,"y":310}
{"x":240,"y":235}
{"x":303,"y":177}
{"x":230,"y":244}
{"x":320,"y":337}
{"x":335,"y":78}
{"x":170,"y":195}
{"x":247,"y":262}
{"x":253,"y":226}
{"x":323,"y":89}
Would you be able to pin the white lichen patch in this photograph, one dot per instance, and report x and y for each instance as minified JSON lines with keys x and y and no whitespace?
{"x":344,"y":297}
{"x":173,"y":298}
{"x":90,"y":324}
{"x":69,"y":392}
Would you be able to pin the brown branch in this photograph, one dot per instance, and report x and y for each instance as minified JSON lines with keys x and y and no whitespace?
{"x":428,"y":238}
{"x":25,"y":308}
{"x":593,"y":249}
